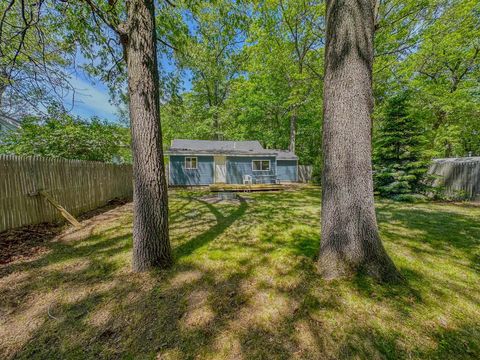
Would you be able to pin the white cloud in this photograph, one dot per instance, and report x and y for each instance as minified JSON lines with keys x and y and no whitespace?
{"x":91,"y":100}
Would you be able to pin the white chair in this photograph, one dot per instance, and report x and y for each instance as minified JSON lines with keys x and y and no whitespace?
{"x":247,"y":179}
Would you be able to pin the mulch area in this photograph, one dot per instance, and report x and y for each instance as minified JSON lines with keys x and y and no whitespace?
{"x":31,"y":240}
{"x":26,"y":241}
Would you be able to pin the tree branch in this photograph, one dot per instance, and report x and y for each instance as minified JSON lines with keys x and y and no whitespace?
{"x":103,"y":16}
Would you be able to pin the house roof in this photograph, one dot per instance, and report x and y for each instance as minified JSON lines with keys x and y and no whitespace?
{"x":286,"y":155}
{"x":181,"y":146}
{"x":469,"y":159}
{"x":212,"y":145}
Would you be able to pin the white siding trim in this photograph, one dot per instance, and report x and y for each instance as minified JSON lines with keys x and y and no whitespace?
{"x":196,"y":162}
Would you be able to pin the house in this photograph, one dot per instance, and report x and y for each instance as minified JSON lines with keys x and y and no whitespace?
{"x":205,"y":162}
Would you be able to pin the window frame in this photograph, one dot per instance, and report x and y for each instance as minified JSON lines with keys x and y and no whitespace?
{"x":190,"y":159}
{"x":261,"y":165}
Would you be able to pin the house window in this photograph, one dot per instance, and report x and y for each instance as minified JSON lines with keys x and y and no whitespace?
{"x":190,"y":163}
{"x":261,"y":165}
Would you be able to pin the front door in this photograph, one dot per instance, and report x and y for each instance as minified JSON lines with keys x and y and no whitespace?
{"x":220,"y":169}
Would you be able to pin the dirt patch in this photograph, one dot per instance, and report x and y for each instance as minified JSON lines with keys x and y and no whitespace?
{"x":27,"y":241}
{"x":31,"y":240}
{"x":112,"y":204}
{"x":98,"y":223}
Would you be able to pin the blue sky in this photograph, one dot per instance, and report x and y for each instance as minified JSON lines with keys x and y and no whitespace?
{"x":91,"y":99}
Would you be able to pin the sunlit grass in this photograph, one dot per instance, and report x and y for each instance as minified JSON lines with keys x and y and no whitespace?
{"x":244,"y":286}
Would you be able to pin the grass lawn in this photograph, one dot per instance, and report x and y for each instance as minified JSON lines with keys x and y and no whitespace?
{"x":244,"y":286}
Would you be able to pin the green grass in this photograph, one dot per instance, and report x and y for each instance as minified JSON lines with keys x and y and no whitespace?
{"x":244,"y":286}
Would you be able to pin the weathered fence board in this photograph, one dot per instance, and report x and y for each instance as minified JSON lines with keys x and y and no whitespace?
{"x":458,"y":176}
{"x":304,"y":173}
{"x":78,"y":186}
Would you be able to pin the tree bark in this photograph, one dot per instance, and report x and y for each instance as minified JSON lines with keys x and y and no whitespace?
{"x":151,"y":244}
{"x":3,"y":85}
{"x":216,"y":125}
{"x":293,"y":130}
{"x":350,"y":240}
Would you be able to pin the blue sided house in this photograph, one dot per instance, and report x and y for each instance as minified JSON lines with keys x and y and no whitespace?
{"x":205,"y":162}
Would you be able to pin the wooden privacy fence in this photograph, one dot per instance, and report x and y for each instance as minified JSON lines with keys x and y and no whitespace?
{"x":305,"y":173}
{"x":78,"y":186}
{"x":460,"y":177}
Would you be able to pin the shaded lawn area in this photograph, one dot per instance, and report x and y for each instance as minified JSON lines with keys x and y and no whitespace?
{"x":244,"y":286}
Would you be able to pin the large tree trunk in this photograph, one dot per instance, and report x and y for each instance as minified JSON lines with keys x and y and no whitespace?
{"x":3,"y":86}
{"x":293,"y":130}
{"x":151,"y":244}
{"x":216,"y":126}
{"x":350,"y":240}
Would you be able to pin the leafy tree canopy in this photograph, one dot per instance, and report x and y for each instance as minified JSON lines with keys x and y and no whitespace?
{"x":58,"y":134}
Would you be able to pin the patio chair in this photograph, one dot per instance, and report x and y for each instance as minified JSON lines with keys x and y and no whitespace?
{"x":247,"y":179}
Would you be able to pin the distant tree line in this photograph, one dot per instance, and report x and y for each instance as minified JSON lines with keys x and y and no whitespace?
{"x":58,"y":134}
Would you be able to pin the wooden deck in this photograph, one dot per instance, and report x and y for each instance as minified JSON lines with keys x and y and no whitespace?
{"x":245,"y":188}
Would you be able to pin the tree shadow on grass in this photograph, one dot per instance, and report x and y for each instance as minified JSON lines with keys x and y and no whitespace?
{"x":303,"y":241}
{"x":445,"y":229}
{"x":436,"y":232}
{"x":61,"y":251}
{"x":262,"y":299}
{"x":222,"y":223}
{"x":450,"y":343}
{"x":403,"y":296}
